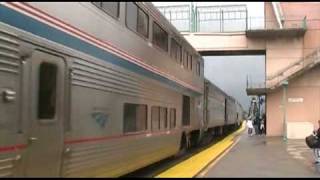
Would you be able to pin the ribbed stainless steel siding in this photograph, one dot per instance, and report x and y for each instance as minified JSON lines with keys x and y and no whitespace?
{"x":95,"y":76}
{"x":9,"y":69}
{"x":6,"y":166}
{"x":114,"y":157}
{"x":9,"y":53}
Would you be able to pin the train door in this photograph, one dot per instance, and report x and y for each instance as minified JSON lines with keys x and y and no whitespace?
{"x":225,"y":111}
{"x":45,"y":139}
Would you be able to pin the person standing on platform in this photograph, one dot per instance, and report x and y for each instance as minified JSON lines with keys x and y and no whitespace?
{"x":250,"y":126}
{"x":262,"y":129}
{"x":256,"y":124}
{"x":316,"y":150}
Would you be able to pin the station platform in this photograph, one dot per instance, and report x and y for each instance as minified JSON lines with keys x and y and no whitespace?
{"x":195,"y":164}
{"x":260,"y":156}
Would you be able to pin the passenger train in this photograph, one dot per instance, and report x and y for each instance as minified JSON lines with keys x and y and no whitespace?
{"x":99,"y":89}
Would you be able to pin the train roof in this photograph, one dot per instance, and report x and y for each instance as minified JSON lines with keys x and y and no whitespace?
{"x":224,"y":93}
{"x":215,"y":86}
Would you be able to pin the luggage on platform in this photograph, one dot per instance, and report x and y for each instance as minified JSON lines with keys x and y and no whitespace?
{"x":312,"y":141}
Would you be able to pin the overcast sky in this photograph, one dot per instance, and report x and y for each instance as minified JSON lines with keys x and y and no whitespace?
{"x":230,"y":74}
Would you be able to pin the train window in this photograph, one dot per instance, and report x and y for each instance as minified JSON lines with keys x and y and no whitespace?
{"x":136,"y":19}
{"x":155,"y":118}
{"x":187,"y":62}
{"x":198,"y":68}
{"x":135,"y":117}
{"x":163,"y":118}
{"x":172,"y":118}
{"x":131,"y":16}
{"x":159,"y":37}
{"x":47,"y":91}
{"x":179,"y":54}
{"x":111,"y":8}
{"x":143,"y":23}
{"x":194,"y":64}
{"x":190,"y":62}
{"x":173,"y":48}
{"x":186,"y":111}
{"x":185,"y":59}
{"x":175,"y":51}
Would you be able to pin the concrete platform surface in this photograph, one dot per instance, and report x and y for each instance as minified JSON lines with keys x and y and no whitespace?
{"x":260,"y":156}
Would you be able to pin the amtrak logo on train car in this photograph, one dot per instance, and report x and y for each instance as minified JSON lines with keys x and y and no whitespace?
{"x":101,"y":118}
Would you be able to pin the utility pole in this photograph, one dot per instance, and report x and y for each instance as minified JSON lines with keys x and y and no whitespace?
{"x":284,"y":100}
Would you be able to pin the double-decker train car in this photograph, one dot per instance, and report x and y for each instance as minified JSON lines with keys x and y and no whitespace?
{"x":220,"y":110}
{"x":214,"y":108}
{"x":95,"y":89}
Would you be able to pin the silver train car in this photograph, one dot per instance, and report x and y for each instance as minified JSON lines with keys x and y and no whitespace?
{"x":95,"y":89}
{"x":222,"y":112}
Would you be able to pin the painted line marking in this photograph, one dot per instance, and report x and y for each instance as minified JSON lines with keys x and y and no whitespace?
{"x":205,"y":171}
{"x":192,"y":166}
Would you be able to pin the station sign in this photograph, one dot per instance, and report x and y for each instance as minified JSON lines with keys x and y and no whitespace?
{"x":295,"y":100}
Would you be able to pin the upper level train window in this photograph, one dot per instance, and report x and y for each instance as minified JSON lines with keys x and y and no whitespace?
{"x":135,"y":117}
{"x":175,"y":51}
{"x":47,"y":91}
{"x":136,"y":19}
{"x":159,"y":37}
{"x":111,"y":8}
{"x":190,"y":62}
{"x":185,"y":59}
{"x":194,"y":64}
{"x":198,"y":68}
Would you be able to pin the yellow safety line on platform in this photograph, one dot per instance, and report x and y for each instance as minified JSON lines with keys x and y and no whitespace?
{"x":192,"y":166}
{"x":215,"y":161}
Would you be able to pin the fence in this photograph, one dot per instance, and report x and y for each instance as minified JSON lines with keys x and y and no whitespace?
{"x":179,"y":16}
{"x":228,"y":18}
{"x":221,"y":18}
{"x":262,"y":23}
{"x":255,"y":84}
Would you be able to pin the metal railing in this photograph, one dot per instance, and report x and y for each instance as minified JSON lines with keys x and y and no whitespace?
{"x":230,"y":18}
{"x":254,"y":84}
{"x":179,"y":16}
{"x":221,"y":19}
{"x":300,"y":65}
{"x":260,"y":23}
{"x":187,"y":18}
